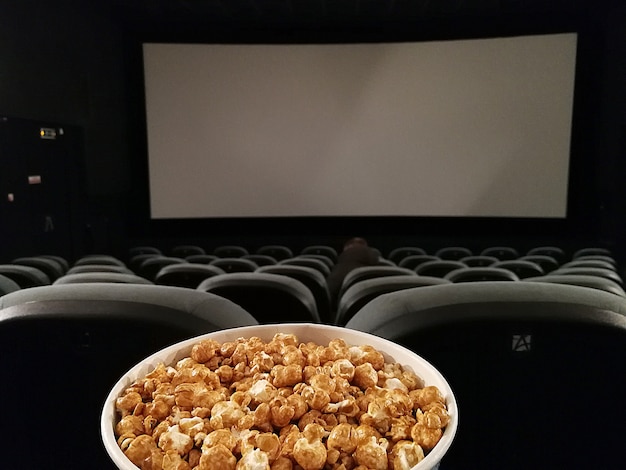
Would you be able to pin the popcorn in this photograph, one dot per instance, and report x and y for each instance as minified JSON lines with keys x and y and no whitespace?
{"x":279,"y":405}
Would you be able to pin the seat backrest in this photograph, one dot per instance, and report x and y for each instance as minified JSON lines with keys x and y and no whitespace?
{"x":438,"y":268}
{"x":453,"y":253}
{"x":143,"y":249}
{"x":323,"y":258}
{"x":260,"y":260}
{"x":553,"y":251}
{"x":97,"y":277}
{"x":7,"y":285}
{"x":547,"y":263}
{"x":594,"y":282}
{"x":311,"y":278}
{"x":362,"y":273}
{"x":188,"y":275}
{"x":278,"y":252}
{"x":234,"y":265}
{"x":182,"y":251}
{"x":65,"y":265}
{"x":25,"y":276}
{"x":522,"y":268}
{"x":478,"y":274}
{"x":476,"y":261}
{"x":600,"y":272}
{"x":323,"y":250}
{"x":591,"y":251}
{"x":99,"y":259}
{"x":151,"y":266}
{"x":360,"y":293}
{"x":589,"y":263}
{"x":230,"y":251}
{"x":136,"y":261}
{"x":200,"y":259}
{"x":99,"y":268}
{"x":514,"y":353}
{"x":309,"y":262}
{"x":51,"y":268}
{"x":398,"y":254}
{"x":63,"y":347}
{"x":413,"y":261}
{"x":270,"y":298}
{"x":501,"y":252}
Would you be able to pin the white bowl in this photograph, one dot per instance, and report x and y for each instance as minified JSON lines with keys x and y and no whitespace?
{"x":320,"y":334}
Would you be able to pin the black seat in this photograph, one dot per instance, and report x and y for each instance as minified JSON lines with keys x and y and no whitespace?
{"x":592,"y":251}
{"x":188,"y":275}
{"x":438,"y":268}
{"x":514,"y":354}
{"x":136,"y":261}
{"x":200,"y":259}
{"x":25,"y":276}
{"x":522,"y":268}
{"x":593,"y":282}
{"x":312,"y":279}
{"x":270,"y":298}
{"x":478,"y":274}
{"x":99,"y":268}
{"x":63,"y":347}
{"x":234,"y":265}
{"x":601,"y":272}
{"x":589,"y":263}
{"x":99,"y":259}
{"x":65,"y":265}
{"x":323,"y":250}
{"x":323,"y":258}
{"x":398,"y":254}
{"x":605,"y":258}
{"x":103,"y":276}
{"x":453,"y":253}
{"x":278,"y":252}
{"x":230,"y":251}
{"x":361,"y":293}
{"x":260,"y":260}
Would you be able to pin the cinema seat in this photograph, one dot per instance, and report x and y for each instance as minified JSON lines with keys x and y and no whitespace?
{"x":547,"y":263}
{"x":528,"y":363}
{"x":323,"y":258}
{"x":230,"y":251}
{"x":7,"y":285}
{"x":278,"y":252}
{"x":188,"y":275}
{"x":63,"y":347}
{"x":361,"y":293}
{"x":600,"y":272}
{"x":182,"y":251}
{"x":591,"y":251}
{"x":234,"y":265}
{"x":589,"y":263}
{"x":151,"y":266}
{"x":501,"y":252}
{"x":453,"y":253}
{"x":141,"y":250}
{"x":25,"y":276}
{"x":312,"y":279}
{"x":553,"y":251}
{"x":269,"y":298}
{"x":260,"y":260}
{"x":98,"y":259}
{"x":97,"y":277}
{"x":362,"y":273}
{"x":593,"y":282}
{"x":136,"y":261}
{"x":398,"y":254}
{"x":308,"y":262}
{"x":479,"y":261}
{"x":522,"y":268}
{"x":51,"y":268}
{"x":65,"y":265}
{"x":479,"y":273}
{"x":413,"y":261}
{"x":324,"y":250}
{"x":438,"y":268}
{"x":200,"y":259}
{"x":99,"y":268}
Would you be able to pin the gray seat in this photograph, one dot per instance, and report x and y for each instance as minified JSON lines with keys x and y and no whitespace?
{"x":103,"y":276}
{"x":453,"y":253}
{"x":230,"y":251}
{"x":501,"y":252}
{"x":398,"y":254}
{"x":270,"y":298}
{"x":321,"y":266}
{"x":600,"y":272}
{"x":323,"y":250}
{"x":554,"y":252}
{"x":361,"y":293}
{"x":413,"y":261}
{"x":65,"y":265}
{"x":592,"y":251}
{"x":479,"y":273}
{"x":151,"y":266}
{"x":51,"y":268}
{"x":589,"y":263}
{"x":99,"y":259}
{"x":514,"y":353}
{"x":363,"y":273}
{"x":522,"y":268}
{"x":260,"y":260}
{"x":188,"y":275}
{"x":234,"y":265}
{"x":593,"y":282}
{"x":200,"y":259}
{"x":99,"y":268}
{"x":25,"y":276}
{"x":7,"y":285}
{"x":438,"y":268}
{"x":182,"y":251}
{"x":547,"y":263}
{"x":143,"y":249}
{"x":479,"y":261}
{"x":73,"y":342}
{"x":278,"y":252}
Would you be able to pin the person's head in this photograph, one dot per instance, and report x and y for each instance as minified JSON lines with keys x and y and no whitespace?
{"x":353,"y":242}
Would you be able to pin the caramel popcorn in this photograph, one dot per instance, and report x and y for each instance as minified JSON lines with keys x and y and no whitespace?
{"x":280,"y":405}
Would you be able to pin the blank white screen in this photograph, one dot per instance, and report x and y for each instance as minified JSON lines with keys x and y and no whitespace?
{"x":476,"y":128}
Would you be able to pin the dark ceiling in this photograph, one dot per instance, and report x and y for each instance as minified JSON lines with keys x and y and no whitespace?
{"x":410,"y":16}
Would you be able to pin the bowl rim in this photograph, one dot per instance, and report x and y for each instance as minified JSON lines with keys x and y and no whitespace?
{"x":170,"y":354}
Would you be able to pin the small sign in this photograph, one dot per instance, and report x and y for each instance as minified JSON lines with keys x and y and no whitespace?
{"x":34,"y":179}
{"x":48,"y":133}
{"x":522,"y":343}
{"x":10,"y":197}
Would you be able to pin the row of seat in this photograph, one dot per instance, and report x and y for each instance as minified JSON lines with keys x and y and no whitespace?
{"x":532,"y":365}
